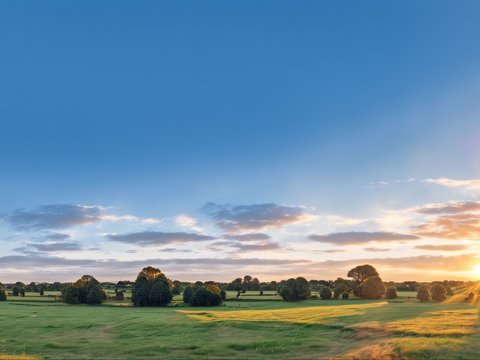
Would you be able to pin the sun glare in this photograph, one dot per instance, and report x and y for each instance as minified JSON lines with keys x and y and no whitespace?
{"x":476,"y":270}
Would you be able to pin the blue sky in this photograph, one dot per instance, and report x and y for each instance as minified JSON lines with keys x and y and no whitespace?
{"x":311,"y":118}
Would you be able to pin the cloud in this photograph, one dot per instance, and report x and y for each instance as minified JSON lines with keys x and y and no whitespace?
{"x":453,"y":207}
{"x":375,"y":249}
{"x":57,"y":216}
{"x":361,"y":237}
{"x":57,"y":236}
{"x":457,"y":226}
{"x":448,"y":247}
{"x":247,"y":237}
{"x":156,"y":238}
{"x":58,"y":246}
{"x":242,"y":218}
{"x":472,"y":184}
{"x":188,"y":222}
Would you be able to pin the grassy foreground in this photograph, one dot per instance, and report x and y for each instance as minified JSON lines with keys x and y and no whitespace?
{"x":400,"y":329}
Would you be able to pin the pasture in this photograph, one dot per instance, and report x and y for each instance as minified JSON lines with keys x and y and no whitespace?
{"x":333,"y":329}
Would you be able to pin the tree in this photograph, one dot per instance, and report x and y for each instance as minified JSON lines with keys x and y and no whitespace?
{"x":438,"y":292}
{"x":423,"y":293}
{"x":16,"y":290}
{"x":94,"y":296}
{"x":223,"y":294}
{"x":391,"y":293}
{"x":295,"y":289}
{"x":204,"y":297}
{"x":41,"y":291}
{"x":214,"y":288}
{"x":362,"y":272}
{"x":119,"y":295}
{"x":3,"y":295}
{"x":325,"y":293}
{"x":70,"y":295}
{"x":160,"y":293}
{"x":187,"y":294}
{"x":339,"y":290}
{"x":372,"y":288}
{"x":151,"y":288}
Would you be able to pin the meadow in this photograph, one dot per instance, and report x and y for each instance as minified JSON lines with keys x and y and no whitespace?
{"x":257,"y":329}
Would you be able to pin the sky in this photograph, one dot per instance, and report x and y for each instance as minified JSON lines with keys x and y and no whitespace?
{"x":215,"y":139}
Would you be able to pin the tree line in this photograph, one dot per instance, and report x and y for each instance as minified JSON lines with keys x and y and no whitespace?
{"x":153,"y":288}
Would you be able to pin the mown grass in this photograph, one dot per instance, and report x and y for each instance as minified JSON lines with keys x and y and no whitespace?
{"x":313,"y":329}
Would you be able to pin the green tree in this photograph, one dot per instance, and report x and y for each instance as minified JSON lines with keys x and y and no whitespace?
{"x":3,"y":295}
{"x":94,"y":295}
{"x":325,"y":293}
{"x":295,"y":289}
{"x":204,"y":297}
{"x":187,"y":294}
{"x":70,"y":295}
{"x":151,"y":288}
{"x":16,"y":290}
{"x":339,"y":290}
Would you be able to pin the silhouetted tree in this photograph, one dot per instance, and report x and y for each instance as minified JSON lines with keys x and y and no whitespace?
{"x":362,"y":272}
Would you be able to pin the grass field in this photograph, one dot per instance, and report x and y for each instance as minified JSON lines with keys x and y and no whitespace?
{"x":38,"y":327}
{"x":312,"y":329}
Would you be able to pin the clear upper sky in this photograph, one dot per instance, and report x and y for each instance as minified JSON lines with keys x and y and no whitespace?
{"x":216,"y":138}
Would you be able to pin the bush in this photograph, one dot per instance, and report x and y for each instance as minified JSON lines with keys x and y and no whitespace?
{"x":391,"y":293}
{"x":205,"y":297}
{"x":345,"y":296}
{"x":295,"y":289}
{"x":325,"y":293}
{"x":223,"y":294}
{"x":339,"y":290}
{"x":438,"y":292}
{"x":187,"y":294}
{"x":16,"y":290}
{"x":3,"y":295}
{"x":119,"y":295}
{"x":372,"y":288}
{"x":423,"y":293}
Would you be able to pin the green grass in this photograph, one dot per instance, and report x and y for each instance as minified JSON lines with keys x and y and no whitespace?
{"x":312,"y":329}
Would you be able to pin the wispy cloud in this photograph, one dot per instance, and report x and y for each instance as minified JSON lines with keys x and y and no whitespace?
{"x":457,"y":226}
{"x":157,"y":238}
{"x":57,"y":216}
{"x":244,"y":218}
{"x":361,"y":237}
{"x":471,"y":184}
{"x":452,"y":207}
{"x":446,"y":247}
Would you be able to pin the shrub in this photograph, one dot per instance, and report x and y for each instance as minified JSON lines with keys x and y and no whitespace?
{"x":3,"y":295}
{"x":391,"y":293}
{"x":204,"y":297}
{"x":345,"y":296}
{"x":16,"y":290}
{"x":340,"y":289}
{"x":423,"y":293}
{"x":187,"y":294}
{"x":325,"y":293}
{"x":372,"y":288}
{"x":438,"y":292}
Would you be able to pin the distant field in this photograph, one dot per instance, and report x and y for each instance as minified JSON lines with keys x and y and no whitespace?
{"x":312,"y":329}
